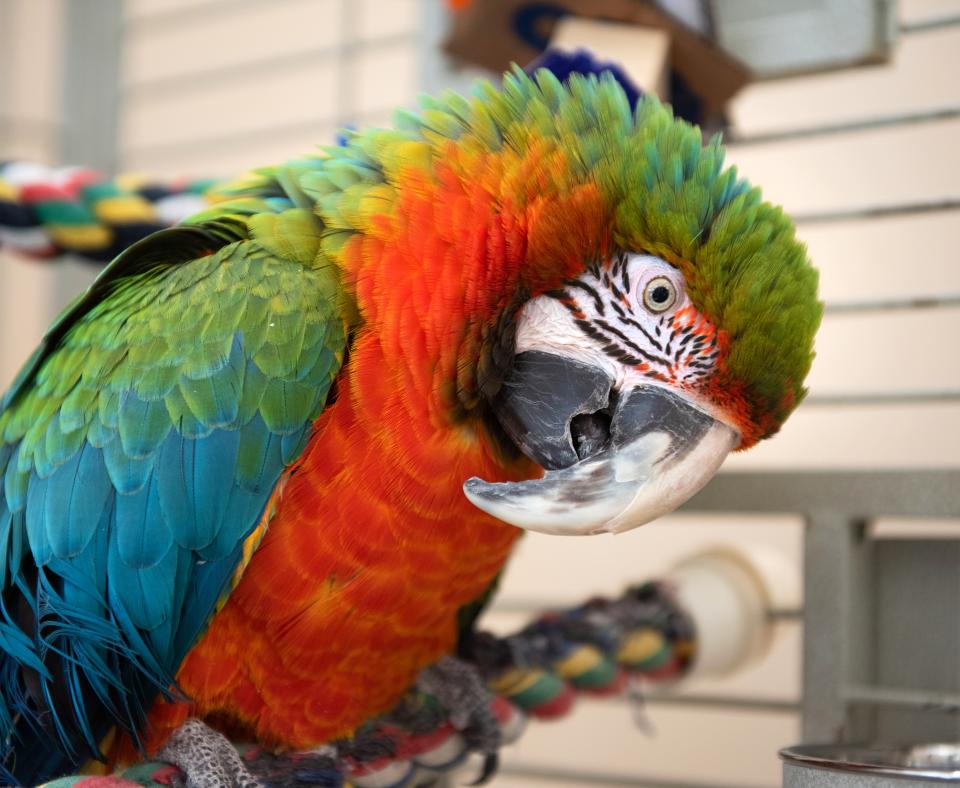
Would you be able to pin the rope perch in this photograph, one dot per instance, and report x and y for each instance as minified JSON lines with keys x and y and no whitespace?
{"x":595,"y":649}
{"x":47,"y":212}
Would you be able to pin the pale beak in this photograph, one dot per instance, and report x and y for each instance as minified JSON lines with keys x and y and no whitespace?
{"x":614,"y":459}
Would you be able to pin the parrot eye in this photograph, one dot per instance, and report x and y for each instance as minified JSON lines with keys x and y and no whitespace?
{"x":659,"y":294}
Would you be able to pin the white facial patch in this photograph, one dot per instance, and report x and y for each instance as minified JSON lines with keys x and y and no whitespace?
{"x":631,"y":317}
{"x":546,"y":324}
{"x":649,"y":442}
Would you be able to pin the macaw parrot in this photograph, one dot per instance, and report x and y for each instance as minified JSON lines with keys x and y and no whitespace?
{"x":254,"y":472}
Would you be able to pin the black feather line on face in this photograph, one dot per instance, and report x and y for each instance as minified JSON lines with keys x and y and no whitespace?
{"x":672,"y":344}
{"x":650,"y":339}
{"x":624,"y":273}
{"x":597,"y":300}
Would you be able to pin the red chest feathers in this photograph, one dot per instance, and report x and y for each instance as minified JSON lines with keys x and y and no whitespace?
{"x":357,"y":583}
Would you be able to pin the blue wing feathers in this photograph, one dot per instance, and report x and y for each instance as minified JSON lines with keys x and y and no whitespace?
{"x":251,"y":393}
{"x":215,"y":396}
{"x":242,"y":506}
{"x":125,"y":504}
{"x":6,"y":526}
{"x":143,"y":535}
{"x":207,"y":581}
{"x":127,"y":474}
{"x":99,"y":435}
{"x":260,"y":450}
{"x":142,"y":424}
{"x":85,"y":574}
{"x":71,"y":515}
{"x":182,"y":418}
{"x":15,"y":643}
{"x":214,"y":464}
{"x":36,"y":531}
{"x":15,"y":482}
{"x":163,"y":637}
{"x":147,"y":592}
{"x":176,"y":484}
{"x":292,"y":445}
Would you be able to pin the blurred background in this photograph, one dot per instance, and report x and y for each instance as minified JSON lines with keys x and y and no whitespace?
{"x":853,"y":125}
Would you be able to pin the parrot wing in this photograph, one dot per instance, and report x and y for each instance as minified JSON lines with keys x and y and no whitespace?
{"x":139,"y":447}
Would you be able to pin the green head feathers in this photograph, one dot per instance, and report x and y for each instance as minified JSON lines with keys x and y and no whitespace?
{"x":666,"y":193}
{"x":587,"y":176}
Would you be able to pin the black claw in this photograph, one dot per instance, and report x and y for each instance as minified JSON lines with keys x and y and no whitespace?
{"x":491,"y":763}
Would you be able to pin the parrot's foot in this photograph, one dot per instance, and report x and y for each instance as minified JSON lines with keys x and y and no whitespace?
{"x":207,"y":758}
{"x":460,"y":689}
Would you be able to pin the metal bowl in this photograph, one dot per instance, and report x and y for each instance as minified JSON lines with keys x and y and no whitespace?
{"x":875,"y":766}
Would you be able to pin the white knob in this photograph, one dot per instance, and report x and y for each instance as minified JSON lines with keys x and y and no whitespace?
{"x":729,"y":594}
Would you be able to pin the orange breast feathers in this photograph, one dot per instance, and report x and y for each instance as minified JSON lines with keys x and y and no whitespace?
{"x":356,"y":584}
{"x":373,"y":547}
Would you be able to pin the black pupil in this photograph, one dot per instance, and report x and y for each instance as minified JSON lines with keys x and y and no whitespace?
{"x":660,"y":294}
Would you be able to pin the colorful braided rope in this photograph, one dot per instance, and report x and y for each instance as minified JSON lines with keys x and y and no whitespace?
{"x":46,"y":212}
{"x":596,"y":648}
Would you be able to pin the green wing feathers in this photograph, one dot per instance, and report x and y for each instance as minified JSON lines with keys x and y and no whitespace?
{"x":138,"y":449}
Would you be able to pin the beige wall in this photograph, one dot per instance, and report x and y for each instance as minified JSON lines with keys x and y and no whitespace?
{"x":31,"y":46}
{"x":192,"y":105}
{"x":264,"y":97}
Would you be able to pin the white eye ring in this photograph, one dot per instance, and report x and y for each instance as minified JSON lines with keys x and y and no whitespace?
{"x":659,"y":294}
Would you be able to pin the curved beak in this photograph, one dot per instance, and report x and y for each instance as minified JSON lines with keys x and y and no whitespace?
{"x":614,"y":459}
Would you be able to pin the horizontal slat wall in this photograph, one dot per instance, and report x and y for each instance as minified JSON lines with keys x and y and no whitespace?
{"x":248,"y":106}
{"x":274,"y":81}
{"x":625,"y":557}
{"x":875,"y":435}
{"x":913,"y":255}
{"x":877,"y":352}
{"x":707,"y":746}
{"x":31,"y":43}
{"x":283,"y":31}
{"x":889,"y":166}
{"x":921,"y":80}
{"x":814,"y":144}
{"x":915,"y":14}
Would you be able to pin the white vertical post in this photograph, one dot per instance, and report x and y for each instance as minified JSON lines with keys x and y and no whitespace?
{"x":837,"y":634}
{"x":90,"y":104}
{"x":91,"y":77}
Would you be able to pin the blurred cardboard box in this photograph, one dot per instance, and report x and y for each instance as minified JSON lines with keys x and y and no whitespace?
{"x":643,"y":52}
{"x":496,"y":33}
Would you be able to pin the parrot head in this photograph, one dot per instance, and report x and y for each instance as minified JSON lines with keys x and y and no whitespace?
{"x":671,"y":311}
{"x":586,"y":282}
